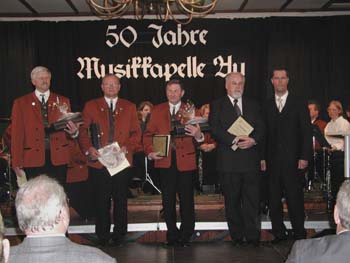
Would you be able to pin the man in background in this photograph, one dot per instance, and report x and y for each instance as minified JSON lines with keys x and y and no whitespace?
{"x":43,"y":215}
{"x":316,"y":160}
{"x":333,"y":248}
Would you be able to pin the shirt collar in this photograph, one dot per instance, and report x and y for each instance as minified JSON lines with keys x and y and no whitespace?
{"x":46,"y":94}
{"x":48,"y":235}
{"x":108,"y":101}
{"x":284,"y":97}
{"x":177,"y":107}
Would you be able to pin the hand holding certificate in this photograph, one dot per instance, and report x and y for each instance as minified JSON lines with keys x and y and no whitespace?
{"x":113,"y":158}
{"x":240,"y":128}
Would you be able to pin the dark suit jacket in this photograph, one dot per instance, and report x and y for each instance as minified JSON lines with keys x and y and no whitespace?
{"x":159,"y":123}
{"x":221,"y":117}
{"x":27,"y":132}
{"x":127,"y":130}
{"x":328,"y":249}
{"x":56,"y":250}
{"x":289,"y":133}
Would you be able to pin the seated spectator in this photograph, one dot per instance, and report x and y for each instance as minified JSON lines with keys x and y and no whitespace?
{"x":4,"y":244}
{"x":333,"y":248}
{"x":43,"y":215}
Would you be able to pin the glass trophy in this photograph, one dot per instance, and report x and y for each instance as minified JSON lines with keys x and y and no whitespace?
{"x":65,"y":116}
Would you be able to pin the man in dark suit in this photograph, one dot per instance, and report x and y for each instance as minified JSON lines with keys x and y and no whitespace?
{"x":333,"y":248}
{"x":238,"y":167}
{"x":43,"y":215}
{"x":117,"y":121}
{"x":176,"y":169}
{"x":288,"y":147}
{"x":34,"y":148}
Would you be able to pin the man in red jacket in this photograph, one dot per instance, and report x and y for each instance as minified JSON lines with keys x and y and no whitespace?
{"x":176,"y":170}
{"x":117,"y":121}
{"x":34,"y":148}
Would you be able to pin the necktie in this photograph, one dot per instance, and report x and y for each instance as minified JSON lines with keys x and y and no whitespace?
{"x":236,"y":108}
{"x":111,"y":123}
{"x":111,"y":106}
{"x":173,"y":120}
{"x":42,"y":99}
{"x":280,"y":105}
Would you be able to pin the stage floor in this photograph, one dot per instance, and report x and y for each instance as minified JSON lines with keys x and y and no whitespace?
{"x":146,"y":222}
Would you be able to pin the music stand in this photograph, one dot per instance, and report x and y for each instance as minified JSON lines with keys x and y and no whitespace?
{"x":316,"y":132}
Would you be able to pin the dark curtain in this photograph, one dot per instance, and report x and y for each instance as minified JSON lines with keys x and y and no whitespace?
{"x":314,"y":49}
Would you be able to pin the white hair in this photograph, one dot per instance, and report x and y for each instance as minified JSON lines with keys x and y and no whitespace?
{"x":38,"y":69}
{"x":39,"y":203}
{"x":343,"y":204}
{"x":229,"y":75}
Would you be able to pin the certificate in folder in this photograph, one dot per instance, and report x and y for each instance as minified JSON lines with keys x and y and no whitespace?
{"x":161,"y":144}
{"x":238,"y":128}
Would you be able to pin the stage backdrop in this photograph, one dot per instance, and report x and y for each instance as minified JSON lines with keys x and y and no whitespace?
{"x":145,"y":54}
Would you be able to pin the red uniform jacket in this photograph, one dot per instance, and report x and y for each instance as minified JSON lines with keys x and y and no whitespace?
{"x":28,"y":134}
{"x":159,"y":123}
{"x":127,"y":130}
{"x":322,"y":125}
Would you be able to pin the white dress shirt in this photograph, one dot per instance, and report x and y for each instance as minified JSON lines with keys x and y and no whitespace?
{"x":114,"y":102}
{"x":338,"y":126}
{"x":177,"y":107}
{"x":283,"y":100}
{"x":46,"y":95}
{"x":239,"y":102}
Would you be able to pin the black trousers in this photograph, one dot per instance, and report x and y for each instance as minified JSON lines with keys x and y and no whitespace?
{"x":337,"y":172}
{"x":241,"y":192}
{"x":107,"y":188}
{"x":172,"y":182}
{"x":285,"y":182}
{"x":58,"y":172}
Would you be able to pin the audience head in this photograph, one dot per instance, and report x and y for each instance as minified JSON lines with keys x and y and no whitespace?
{"x":110,"y":86}
{"x":342,"y":207}
{"x":280,"y":80}
{"x":314,"y":109}
{"x":204,"y":110}
{"x":41,"y":78}
{"x":174,"y":91}
{"x":41,"y":206}
{"x":335,"y":109}
{"x":144,"y":109}
{"x":4,"y":243}
{"x":234,"y":84}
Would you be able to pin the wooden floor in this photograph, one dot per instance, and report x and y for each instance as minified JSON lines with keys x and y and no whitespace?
{"x":201,"y":252}
{"x":210,"y":243}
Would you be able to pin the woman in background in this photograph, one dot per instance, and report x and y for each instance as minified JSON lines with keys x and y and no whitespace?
{"x":208,"y":154}
{"x":337,"y":125}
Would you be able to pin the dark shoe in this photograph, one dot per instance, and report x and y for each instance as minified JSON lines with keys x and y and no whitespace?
{"x":238,"y":242}
{"x":254,"y":243}
{"x":118,"y":240}
{"x":103,"y":242}
{"x":278,"y":240}
{"x":184,"y":243}
{"x":170,"y":244}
